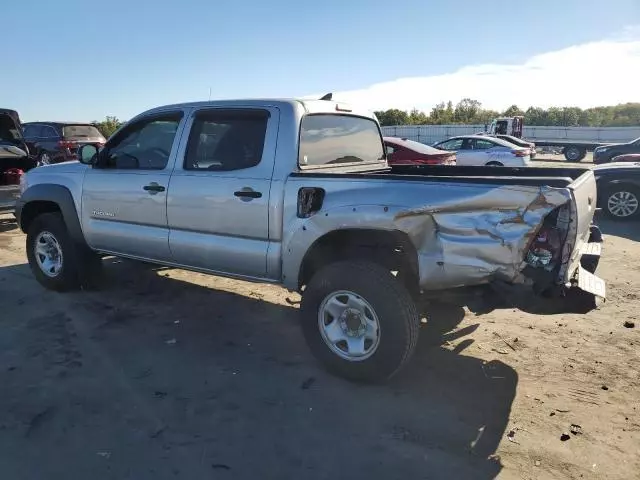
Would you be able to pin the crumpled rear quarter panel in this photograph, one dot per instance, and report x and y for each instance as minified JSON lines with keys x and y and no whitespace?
{"x":464,"y":233}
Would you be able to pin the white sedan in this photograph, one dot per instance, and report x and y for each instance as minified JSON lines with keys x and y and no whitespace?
{"x":476,"y":150}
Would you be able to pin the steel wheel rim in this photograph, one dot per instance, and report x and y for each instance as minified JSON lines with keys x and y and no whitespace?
{"x":573,"y":153}
{"x":349,"y":325}
{"x":48,"y":254}
{"x":622,"y":204}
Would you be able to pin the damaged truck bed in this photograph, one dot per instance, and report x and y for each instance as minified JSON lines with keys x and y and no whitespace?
{"x":299,"y":192}
{"x":476,"y":225}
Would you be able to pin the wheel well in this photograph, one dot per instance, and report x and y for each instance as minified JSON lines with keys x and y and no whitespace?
{"x":32,"y":209}
{"x":391,"y":249}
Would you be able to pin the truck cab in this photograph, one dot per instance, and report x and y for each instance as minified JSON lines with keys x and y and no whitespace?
{"x":511,"y":126}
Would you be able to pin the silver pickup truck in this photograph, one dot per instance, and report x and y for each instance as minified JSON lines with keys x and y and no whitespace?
{"x":299,"y":193}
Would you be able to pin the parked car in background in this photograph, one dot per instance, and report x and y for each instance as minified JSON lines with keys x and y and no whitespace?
{"x":519,"y":142}
{"x":14,"y":158}
{"x":401,"y":151}
{"x":629,"y":157}
{"x":477,"y":150}
{"x":619,"y":189}
{"x":55,"y":142}
{"x":606,"y":153}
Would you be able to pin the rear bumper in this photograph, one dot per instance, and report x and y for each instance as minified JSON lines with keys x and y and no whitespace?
{"x":584,"y":277}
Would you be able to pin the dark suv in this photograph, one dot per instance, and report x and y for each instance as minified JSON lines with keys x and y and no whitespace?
{"x":55,"y":142}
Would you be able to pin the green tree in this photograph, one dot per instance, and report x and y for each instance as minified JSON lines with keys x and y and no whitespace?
{"x":416,"y":117}
{"x":513,"y":111}
{"x":467,"y":111}
{"x":108,"y":126}
{"x":392,"y":116}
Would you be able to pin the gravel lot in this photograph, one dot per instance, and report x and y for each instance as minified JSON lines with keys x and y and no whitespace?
{"x":169,"y":374}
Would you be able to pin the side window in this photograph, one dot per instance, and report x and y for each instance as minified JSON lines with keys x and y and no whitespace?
{"x":144,"y":145}
{"x":480,"y":144}
{"x":36,"y":131}
{"x":28,"y":131}
{"x":453,"y":144}
{"x":390,"y":149}
{"x":48,"y":132}
{"x":224,"y":140}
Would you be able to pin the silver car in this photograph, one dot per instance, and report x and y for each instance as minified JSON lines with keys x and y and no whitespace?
{"x":477,"y":150}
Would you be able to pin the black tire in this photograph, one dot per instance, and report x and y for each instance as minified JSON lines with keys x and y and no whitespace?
{"x":618,"y":190}
{"x":44,"y":159}
{"x":390,"y":300}
{"x":494,"y":164}
{"x":574,"y":154}
{"x":80,"y":266}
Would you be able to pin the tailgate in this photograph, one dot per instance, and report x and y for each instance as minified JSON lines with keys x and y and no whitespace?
{"x":584,"y":199}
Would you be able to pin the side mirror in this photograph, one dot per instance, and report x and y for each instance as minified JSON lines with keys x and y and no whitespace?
{"x":88,"y":154}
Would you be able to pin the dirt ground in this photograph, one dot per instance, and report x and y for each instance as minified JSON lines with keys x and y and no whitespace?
{"x":168,"y":374}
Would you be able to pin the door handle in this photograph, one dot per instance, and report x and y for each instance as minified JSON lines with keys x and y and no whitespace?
{"x":247,"y":193}
{"x":153,"y":187}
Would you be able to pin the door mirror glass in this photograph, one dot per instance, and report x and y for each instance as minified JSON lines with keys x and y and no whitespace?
{"x":88,"y":154}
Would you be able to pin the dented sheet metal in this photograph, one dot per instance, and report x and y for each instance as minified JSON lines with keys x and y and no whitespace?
{"x":475,"y":239}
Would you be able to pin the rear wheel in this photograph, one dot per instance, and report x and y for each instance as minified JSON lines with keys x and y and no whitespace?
{"x":359,"y":320}
{"x":574,"y":154}
{"x":494,"y":164}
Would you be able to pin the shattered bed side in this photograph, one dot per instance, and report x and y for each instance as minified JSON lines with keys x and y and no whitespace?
{"x":488,"y":237}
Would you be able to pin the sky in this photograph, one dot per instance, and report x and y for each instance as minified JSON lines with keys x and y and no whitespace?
{"x":79,"y":60}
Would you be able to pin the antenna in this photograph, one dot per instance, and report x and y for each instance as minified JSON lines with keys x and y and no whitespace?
{"x":209,"y":93}
{"x":328,"y":96}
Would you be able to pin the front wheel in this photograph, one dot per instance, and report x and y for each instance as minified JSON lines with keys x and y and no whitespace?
{"x":494,"y":164}
{"x":57,"y":262}
{"x":359,"y":320}
{"x":622,"y":202}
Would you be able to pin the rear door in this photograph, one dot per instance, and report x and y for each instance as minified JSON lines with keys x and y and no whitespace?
{"x":31,"y":133}
{"x":218,"y":205}
{"x":124,"y":197}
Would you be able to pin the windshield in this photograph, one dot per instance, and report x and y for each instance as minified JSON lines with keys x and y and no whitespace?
{"x":333,"y":139}
{"x":81,"y":131}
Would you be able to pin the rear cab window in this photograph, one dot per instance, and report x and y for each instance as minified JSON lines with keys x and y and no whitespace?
{"x":331,"y":140}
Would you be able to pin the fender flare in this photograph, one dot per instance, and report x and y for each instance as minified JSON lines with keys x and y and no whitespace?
{"x":57,"y":194}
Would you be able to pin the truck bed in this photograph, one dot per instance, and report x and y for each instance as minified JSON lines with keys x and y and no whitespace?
{"x":481,"y":226}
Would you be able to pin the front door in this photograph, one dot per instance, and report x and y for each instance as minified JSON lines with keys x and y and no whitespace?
{"x":124,"y":196}
{"x":218,"y":205}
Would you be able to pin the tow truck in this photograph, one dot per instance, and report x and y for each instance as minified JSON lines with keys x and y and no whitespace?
{"x":573,"y":150}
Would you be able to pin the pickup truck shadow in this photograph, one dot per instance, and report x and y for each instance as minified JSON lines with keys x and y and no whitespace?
{"x":629,"y":229}
{"x":224,"y":381}
{"x":7,"y":224}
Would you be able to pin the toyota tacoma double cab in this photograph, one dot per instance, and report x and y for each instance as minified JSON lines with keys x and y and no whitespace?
{"x":299,"y":193}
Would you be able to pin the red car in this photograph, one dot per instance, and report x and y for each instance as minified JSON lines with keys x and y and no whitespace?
{"x":401,"y":151}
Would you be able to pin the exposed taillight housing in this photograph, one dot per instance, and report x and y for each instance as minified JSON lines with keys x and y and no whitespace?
{"x":520,"y":153}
